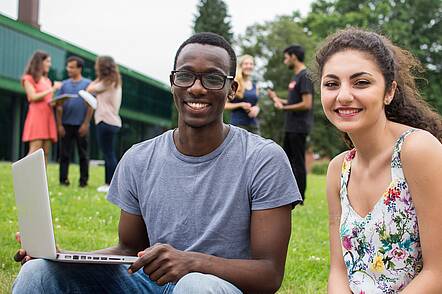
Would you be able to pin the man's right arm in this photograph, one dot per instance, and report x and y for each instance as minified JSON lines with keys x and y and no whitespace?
{"x":272,"y":94}
{"x":132,"y":235}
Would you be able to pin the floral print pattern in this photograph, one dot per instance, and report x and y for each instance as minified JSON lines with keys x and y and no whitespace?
{"x":382,"y":250}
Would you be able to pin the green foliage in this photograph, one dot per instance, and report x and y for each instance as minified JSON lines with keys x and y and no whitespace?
{"x":271,"y":120}
{"x":84,"y":220}
{"x":320,"y":167}
{"x":213,"y":17}
{"x":415,"y":25}
{"x":267,"y":42}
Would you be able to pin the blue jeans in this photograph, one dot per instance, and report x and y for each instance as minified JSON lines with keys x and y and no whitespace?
{"x":106,"y":135}
{"x":42,"y":276}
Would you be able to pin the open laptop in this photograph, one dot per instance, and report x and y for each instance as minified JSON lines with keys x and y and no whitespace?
{"x":35,"y":219}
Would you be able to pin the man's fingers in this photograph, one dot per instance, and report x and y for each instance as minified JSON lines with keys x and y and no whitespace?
{"x":19,"y":255}
{"x":167,"y":278}
{"x":17,"y":237}
{"x":148,"y":256}
{"x":160,"y":276}
{"x":141,"y":253}
{"x":26,"y":259}
{"x":152,"y":267}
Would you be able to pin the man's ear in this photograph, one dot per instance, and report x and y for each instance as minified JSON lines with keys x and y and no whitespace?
{"x":232,"y":90}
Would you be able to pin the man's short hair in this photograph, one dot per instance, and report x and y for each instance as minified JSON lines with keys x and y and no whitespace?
{"x":207,"y":38}
{"x":296,"y":50}
{"x":78,"y":60}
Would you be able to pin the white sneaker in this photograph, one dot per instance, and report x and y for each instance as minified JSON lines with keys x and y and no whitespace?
{"x":103,"y":189}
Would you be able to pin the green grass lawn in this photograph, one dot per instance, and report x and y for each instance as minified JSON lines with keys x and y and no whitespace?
{"x":84,"y":220}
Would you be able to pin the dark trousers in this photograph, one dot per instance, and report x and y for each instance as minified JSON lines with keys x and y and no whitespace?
{"x":294,"y":147}
{"x":106,"y":136}
{"x":67,"y":144}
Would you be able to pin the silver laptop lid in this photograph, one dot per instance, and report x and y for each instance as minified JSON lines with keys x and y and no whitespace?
{"x":34,"y":211}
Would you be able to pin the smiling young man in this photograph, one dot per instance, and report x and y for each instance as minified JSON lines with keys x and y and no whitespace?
{"x":207,"y":206}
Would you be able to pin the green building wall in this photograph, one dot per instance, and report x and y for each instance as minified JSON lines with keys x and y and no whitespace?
{"x":146,"y":104}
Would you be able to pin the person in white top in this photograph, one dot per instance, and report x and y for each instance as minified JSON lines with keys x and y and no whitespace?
{"x":384,"y":195}
{"x":107,"y":88}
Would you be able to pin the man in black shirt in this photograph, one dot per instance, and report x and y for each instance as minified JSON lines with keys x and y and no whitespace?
{"x":298,"y":108}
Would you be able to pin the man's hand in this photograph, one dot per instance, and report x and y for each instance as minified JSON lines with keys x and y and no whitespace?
{"x":61,"y":131}
{"x":272,"y":94}
{"x":83,"y":130}
{"x":56,"y":86}
{"x":163,"y":263}
{"x":278,"y":104}
{"x":21,"y":255}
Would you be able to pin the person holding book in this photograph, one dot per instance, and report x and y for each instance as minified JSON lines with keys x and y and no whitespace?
{"x":73,"y":118}
{"x":39,"y":129}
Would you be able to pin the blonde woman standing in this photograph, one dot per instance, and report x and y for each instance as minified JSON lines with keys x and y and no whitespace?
{"x":107,"y":88}
{"x":244,"y":106}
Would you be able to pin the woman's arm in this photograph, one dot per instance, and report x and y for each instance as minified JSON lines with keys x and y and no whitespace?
{"x":254,"y":111}
{"x":422,"y":165}
{"x":272,"y":94}
{"x":33,"y":95}
{"x":338,"y":279}
{"x":244,"y":105}
{"x":96,"y":87}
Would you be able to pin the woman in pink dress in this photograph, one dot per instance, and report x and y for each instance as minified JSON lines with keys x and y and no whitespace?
{"x":40,"y":128}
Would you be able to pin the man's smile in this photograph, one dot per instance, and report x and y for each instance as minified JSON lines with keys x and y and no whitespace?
{"x":197,"y":106}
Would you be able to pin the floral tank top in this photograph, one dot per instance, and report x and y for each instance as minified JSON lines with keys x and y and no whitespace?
{"x":382,"y":251}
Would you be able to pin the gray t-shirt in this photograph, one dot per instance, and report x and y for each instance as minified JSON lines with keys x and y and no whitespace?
{"x":203,"y":204}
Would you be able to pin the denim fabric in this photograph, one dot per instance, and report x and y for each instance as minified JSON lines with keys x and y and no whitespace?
{"x":42,"y":276}
{"x":106,"y":135}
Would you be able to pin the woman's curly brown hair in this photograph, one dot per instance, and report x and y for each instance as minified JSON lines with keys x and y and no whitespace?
{"x":396,"y":64}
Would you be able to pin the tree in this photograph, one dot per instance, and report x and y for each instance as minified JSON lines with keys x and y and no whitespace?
{"x":213,"y":17}
{"x":267,"y":42}
{"x":415,"y":25}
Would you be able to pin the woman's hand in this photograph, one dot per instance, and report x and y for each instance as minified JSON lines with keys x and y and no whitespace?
{"x":56,"y":86}
{"x":246,"y":106}
{"x":254,"y":110}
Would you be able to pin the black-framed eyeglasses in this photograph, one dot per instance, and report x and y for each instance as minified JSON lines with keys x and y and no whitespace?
{"x":210,"y":81}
